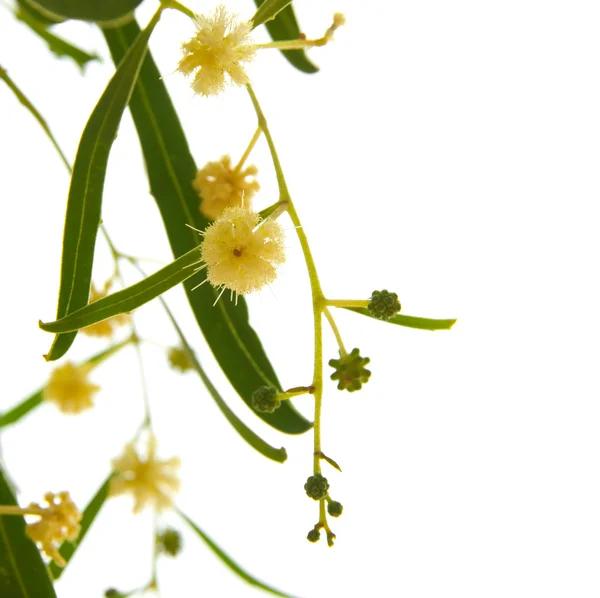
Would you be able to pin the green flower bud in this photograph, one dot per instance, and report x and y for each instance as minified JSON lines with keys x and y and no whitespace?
{"x":265,"y":399}
{"x":313,"y":535}
{"x":350,"y":371}
{"x":316,"y":486}
{"x":169,"y":542}
{"x":384,"y":305}
{"x":335,"y":508}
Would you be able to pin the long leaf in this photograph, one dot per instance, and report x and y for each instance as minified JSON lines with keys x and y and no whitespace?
{"x":87,"y":182}
{"x":171,"y":169}
{"x":57,"y":45}
{"x":22,"y":571}
{"x":283,"y":27}
{"x":228,"y":561}
{"x":30,"y":403}
{"x":67,"y":549}
{"x":268,"y":10}
{"x":88,"y":10}
{"x":128,"y":299}
{"x":410,"y":321}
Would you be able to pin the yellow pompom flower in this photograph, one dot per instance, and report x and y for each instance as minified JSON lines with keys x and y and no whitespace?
{"x":69,"y":388}
{"x":220,"y":186}
{"x":149,"y":480}
{"x":106,"y":327}
{"x":59,"y":522}
{"x":241,"y":251}
{"x":219,"y":47}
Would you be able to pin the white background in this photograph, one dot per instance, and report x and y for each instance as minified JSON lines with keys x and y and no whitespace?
{"x":446,"y":150}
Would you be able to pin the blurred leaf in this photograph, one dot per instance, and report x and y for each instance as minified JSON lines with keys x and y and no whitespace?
{"x":21,"y":97}
{"x":56,"y":44}
{"x":87,"y":182}
{"x":268,"y":10}
{"x":22,"y":409}
{"x":285,"y":27}
{"x":67,"y":549}
{"x":22,"y":571}
{"x":87,"y":10}
{"x":409,"y":321}
{"x":171,"y":169}
{"x":45,"y":20}
{"x":229,"y":562}
{"x":129,"y":298}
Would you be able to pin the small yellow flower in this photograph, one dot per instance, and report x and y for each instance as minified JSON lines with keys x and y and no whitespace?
{"x":241,"y":251}
{"x":149,"y":481}
{"x":106,"y":327}
{"x":220,"y":186}
{"x":59,"y":522}
{"x":219,"y":47}
{"x":69,"y":388}
{"x":179,"y":359}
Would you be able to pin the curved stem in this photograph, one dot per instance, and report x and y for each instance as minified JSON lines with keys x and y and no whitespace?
{"x":347,"y":302}
{"x":336,"y":332}
{"x":250,"y":147}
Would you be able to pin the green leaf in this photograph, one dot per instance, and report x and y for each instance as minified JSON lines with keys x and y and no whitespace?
{"x":67,"y":549}
{"x":22,"y":571}
{"x":88,"y":10}
{"x":285,"y":27}
{"x":228,"y":561}
{"x":23,"y":99}
{"x":409,"y":321}
{"x":171,"y":169}
{"x":268,"y":10}
{"x":36,"y":399}
{"x":87,"y":182}
{"x":57,"y":45}
{"x":130,"y":298}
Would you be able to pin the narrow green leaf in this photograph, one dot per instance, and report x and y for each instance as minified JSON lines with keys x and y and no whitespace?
{"x":171,"y":169}
{"x":67,"y":549}
{"x":22,"y":571}
{"x":87,"y":183}
{"x":57,"y":45}
{"x":228,"y":561}
{"x":285,"y":27}
{"x":130,"y":298}
{"x":409,"y":321}
{"x":45,"y":20}
{"x":268,"y":10}
{"x":23,"y":99}
{"x":90,"y":10}
{"x":22,"y":409}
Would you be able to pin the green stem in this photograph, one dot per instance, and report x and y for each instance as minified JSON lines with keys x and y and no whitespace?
{"x":180,"y":7}
{"x":336,"y":332}
{"x":250,"y":147}
{"x":347,"y":302}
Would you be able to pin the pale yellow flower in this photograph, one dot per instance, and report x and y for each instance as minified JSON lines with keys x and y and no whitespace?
{"x":220,"y":186}
{"x":149,"y":480}
{"x":106,"y":327}
{"x":220,"y":46}
{"x":179,"y":359}
{"x":241,"y":251}
{"x":69,"y":388}
{"x":59,"y":522}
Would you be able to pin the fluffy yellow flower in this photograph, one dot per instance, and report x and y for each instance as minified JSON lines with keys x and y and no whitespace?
{"x":219,"y":47}
{"x":150,"y":481}
{"x":220,"y":186}
{"x":69,"y":388}
{"x":106,"y":327}
{"x":241,"y":251}
{"x":59,"y":522}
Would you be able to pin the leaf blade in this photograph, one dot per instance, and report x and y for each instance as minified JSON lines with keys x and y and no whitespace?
{"x":87,"y":182}
{"x":268,"y":10}
{"x":228,"y":561}
{"x":90,"y":10}
{"x":24,"y":573}
{"x":171,"y":169}
{"x":409,"y":321}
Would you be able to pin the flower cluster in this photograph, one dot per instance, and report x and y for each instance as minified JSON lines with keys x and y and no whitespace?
{"x":150,"y":481}
{"x":69,"y":388}
{"x":350,"y":371}
{"x":59,"y":522}
{"x":221,"y":186}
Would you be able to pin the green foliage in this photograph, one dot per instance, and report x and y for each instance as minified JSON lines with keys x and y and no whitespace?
{"x":22,"y":571}
{"x":89,"y":10}
{"x":410,"y":321}
{"x":268,"y":10}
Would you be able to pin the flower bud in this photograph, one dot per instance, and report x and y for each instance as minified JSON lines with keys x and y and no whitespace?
{"x":350,"y":371}
{"x":316,"y":486}
{"x":384,"y":305}
{"x":265,"y":399}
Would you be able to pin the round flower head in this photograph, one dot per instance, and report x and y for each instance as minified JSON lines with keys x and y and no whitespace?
{"x":221,"y":186}
{"x":220,"y":45}
{"x":69,"y":388}
{"x":241,"y":251}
